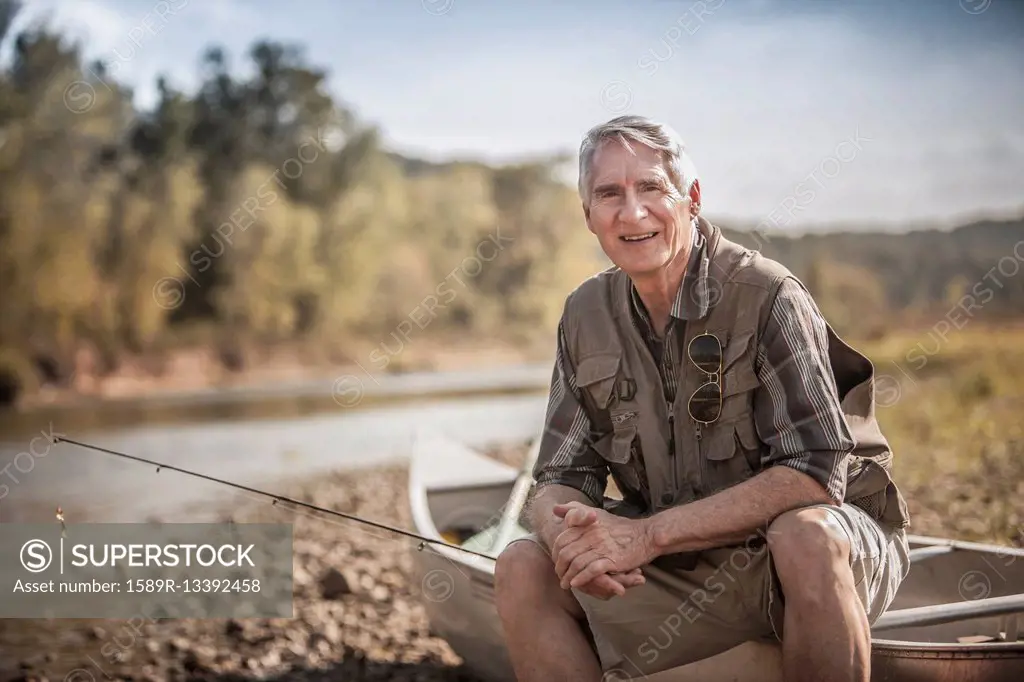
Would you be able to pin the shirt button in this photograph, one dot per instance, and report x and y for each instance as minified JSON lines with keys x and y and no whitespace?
{"x":667,"y":499}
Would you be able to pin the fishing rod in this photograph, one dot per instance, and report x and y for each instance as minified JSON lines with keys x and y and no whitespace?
{"x":424,"y":541}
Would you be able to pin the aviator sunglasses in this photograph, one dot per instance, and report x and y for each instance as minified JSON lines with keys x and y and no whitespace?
{"x":705,"y":351}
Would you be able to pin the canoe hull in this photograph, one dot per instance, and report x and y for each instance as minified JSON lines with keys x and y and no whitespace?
{"x":457,"y":590}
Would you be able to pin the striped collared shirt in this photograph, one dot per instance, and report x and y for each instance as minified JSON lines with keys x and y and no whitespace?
{"x":797,"y":407}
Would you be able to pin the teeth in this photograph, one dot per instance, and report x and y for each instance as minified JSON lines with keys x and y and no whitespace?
{"x":639,"y":237}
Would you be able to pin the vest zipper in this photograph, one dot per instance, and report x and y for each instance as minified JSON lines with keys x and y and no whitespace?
{"x":701,"y":458}
{"x":672,"y":449}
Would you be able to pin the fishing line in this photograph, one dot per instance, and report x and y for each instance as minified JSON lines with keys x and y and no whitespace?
{"x":276,"y":498}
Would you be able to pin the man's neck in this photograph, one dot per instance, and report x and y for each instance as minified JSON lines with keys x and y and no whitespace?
{"x":658,"y":290}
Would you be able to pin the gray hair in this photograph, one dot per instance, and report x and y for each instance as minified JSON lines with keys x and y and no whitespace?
{"x":658,"y":136}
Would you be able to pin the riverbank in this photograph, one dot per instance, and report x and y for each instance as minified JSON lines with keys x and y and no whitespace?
{"x":359,"y":617}
{"x":188,"y":372}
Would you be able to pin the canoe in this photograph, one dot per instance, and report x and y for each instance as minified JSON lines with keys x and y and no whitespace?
{"x":959,"y":615}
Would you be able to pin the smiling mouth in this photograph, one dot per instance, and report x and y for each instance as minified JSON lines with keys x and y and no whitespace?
{"x":638,"y":237}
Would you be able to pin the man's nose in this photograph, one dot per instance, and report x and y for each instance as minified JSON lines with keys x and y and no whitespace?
{"x":633,"y":211}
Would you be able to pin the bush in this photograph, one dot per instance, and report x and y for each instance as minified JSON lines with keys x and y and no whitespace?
{"x":18,"y":377}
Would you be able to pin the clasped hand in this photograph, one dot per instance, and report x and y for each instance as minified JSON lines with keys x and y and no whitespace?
{"x":600,"y":553}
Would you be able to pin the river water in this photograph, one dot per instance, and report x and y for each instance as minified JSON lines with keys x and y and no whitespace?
{"x":260,"y":438}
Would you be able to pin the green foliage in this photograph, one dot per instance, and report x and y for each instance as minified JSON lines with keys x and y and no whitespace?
{"x":259,"y":210}
{"x":256,"y":211}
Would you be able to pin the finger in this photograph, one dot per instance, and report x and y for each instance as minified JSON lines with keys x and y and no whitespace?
{"x":564,"y":539}
{"x":603,"y":587}
{"x":566,"y":556}
{"x":592,"y":570}
{"x":596,"y":593}
{"x":577,"y":564}
{"x":630,"y":579}
{"x":584,"y":516}
{"x":562,"y":509}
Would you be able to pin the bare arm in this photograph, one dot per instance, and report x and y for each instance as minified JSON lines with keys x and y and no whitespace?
{"x":798,"y":415}
{"x":735,"y":513}
{"x":541,"y":515}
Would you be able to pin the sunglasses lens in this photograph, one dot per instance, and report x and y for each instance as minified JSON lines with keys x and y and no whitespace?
{"x":706,"y":403}
{"x":706,"y":353}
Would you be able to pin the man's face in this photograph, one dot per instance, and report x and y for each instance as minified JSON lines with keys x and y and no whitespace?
{"x":639,"y":219}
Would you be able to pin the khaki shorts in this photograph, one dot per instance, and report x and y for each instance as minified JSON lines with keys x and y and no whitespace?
{"x":730,"y":597}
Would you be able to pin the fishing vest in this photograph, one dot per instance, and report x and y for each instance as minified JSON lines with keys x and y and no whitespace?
{"x":656,"y":447}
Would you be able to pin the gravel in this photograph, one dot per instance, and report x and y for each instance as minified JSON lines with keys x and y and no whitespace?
{"x":357,"y":615}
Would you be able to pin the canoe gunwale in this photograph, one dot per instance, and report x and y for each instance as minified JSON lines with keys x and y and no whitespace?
{"x":898,"y":648}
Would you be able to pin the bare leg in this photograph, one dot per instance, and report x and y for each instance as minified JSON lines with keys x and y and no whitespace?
{"x":827,"y":637}
{"x":545,"y":628}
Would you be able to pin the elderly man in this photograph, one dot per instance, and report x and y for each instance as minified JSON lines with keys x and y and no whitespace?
{"x":756,"y":500}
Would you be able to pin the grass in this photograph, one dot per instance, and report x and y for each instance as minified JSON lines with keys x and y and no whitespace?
{"x":956,"y":425}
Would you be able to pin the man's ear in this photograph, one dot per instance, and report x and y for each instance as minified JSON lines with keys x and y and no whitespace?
{"x":695,"y":198}
{"x":586,"y":216}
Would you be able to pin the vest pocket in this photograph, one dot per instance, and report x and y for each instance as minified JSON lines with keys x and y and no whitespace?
{"x":738,"y":376}
{"x":730,"y":454}
{"x":595,"y":376}
{"x":621,"y":454}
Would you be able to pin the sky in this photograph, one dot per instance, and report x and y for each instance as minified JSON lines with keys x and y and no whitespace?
{"x":796,"y":113}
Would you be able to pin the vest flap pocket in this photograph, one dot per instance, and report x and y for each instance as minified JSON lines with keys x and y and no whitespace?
{"x":747,"y":432}
{"x":729,"y":437}
{"x":596,"y":373}
{"x":738,"y":374}
{"x":623,"y":434}
{"x":739,"y":379}
{"x":736,"y":348}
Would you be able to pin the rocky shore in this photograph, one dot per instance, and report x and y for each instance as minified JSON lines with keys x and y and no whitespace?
{"x":358,"y":616}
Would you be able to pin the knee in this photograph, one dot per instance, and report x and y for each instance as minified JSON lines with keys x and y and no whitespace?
{"x":520,"y":572}
{"x":807,"y":548}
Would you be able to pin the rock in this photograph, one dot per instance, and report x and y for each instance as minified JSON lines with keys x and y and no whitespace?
{"x":271,"y":659}
{"x":301,"y":577}
{"x":234,"y":629}
{"x":333,"y":584}
{"x":331,"y":632}
{"x":190,"y":662}
{"x":178,"y":644}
